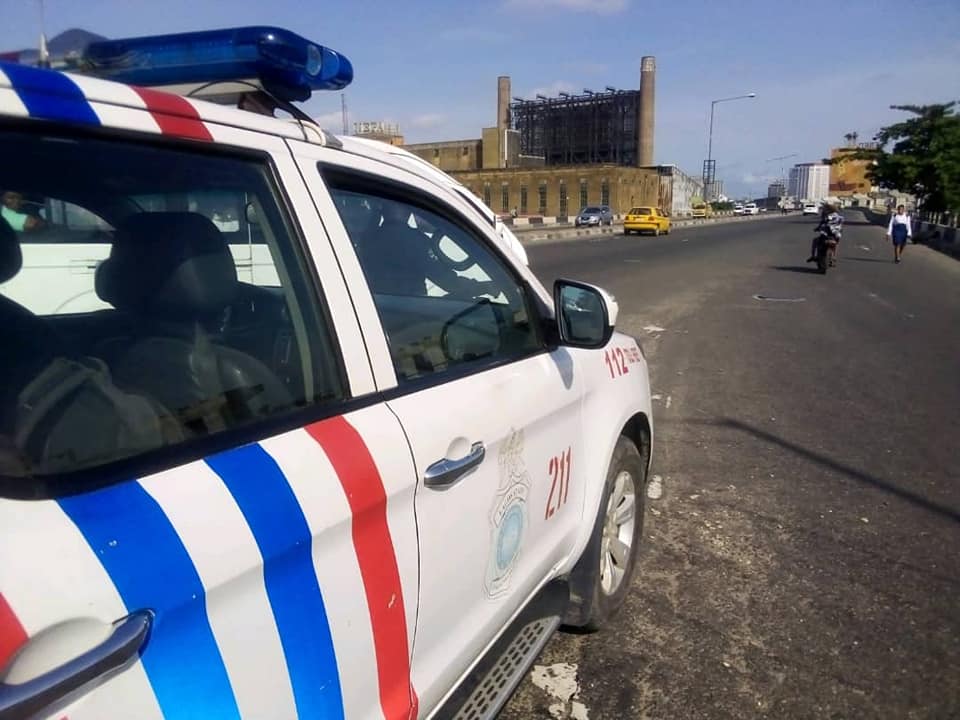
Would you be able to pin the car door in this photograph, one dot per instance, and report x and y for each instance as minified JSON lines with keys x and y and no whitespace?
{"x":250,"y":553}
{"x":492,"y":414}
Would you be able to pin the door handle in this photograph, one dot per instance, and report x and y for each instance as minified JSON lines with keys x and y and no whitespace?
{"x":109,"y":657}
{"x":444,"y":473}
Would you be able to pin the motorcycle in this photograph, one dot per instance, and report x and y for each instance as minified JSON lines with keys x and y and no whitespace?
{"x":825,"y":250}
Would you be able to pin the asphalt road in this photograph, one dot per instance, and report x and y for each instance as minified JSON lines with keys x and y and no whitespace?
{"x":804,"y":558}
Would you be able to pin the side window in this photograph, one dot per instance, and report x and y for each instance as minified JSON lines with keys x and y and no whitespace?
{"x":445,"y":300}
{"x":183,"y":347}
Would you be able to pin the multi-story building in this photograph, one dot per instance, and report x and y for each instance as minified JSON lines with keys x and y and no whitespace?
{"x":848,"y":177}
{"x":809,"y":181}
{"x":776,"y":189}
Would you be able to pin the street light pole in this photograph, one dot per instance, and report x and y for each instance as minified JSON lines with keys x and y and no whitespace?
{"x":707,"y":168}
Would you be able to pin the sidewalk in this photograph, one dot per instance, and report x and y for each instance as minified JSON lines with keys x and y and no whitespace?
{"x":939,"y":237}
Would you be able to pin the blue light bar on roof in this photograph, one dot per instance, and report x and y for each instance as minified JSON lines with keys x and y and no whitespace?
{"x":284,"y":63}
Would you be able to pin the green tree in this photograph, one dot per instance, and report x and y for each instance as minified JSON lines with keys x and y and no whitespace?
{"x":923,"y":156}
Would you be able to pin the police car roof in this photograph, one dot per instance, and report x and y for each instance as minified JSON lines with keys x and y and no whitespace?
{"x":78,"y":99}
{"x":57,"y":96}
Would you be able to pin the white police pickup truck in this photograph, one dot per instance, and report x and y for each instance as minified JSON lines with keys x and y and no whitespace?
{"x":322,"y":447}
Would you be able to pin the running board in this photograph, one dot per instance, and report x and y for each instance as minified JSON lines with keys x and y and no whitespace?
{"x":491,"y":683}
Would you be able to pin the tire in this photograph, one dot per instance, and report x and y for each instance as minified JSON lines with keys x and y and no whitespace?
{"x":822,"y":262}
{"x":600,"y":582}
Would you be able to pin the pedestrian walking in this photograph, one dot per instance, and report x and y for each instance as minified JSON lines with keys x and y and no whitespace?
{"x":899,"y":231}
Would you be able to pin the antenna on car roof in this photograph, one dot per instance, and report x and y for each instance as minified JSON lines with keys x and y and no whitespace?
{"x":261,"y":102}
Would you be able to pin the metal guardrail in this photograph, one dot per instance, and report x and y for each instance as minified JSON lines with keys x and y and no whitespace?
{"x":539,"y":233}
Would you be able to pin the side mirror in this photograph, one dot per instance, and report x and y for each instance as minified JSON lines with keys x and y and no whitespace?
{"x":586,"y":314}
{"x":471,"y":334}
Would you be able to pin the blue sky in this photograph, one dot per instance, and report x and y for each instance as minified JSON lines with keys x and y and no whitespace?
{"x":820,"y":70}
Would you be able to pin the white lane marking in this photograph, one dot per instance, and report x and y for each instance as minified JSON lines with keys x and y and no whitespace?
{"x":657,"y":396}
{"x":669,"y":400}
{"x":560,"y":681}
{"x":864,"y":247}
{"x":653,"y":328}
{"x":779,"y":299}
{"x":655,"y":488}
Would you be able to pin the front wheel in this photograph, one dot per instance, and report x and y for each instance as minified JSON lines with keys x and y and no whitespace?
{"x":600,"y":581}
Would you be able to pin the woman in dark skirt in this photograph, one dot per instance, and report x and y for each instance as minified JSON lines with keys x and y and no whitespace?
{"x":899,"y":231}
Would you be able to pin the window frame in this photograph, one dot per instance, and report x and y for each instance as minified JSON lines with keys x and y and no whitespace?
{"x":167,"y":457}
{"x":335,"y":176}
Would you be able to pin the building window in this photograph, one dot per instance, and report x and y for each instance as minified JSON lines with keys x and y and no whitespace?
{"x":486,"y":196}
{"x":563,"y":199}
{"x":505,"y":198}
{"x":604,"y":192}
{"x":436,"y":152}
{"x":465,"y":151}
{"x":542,"y":200}
{"x":583,"y":194}
{"x":523,"y":199}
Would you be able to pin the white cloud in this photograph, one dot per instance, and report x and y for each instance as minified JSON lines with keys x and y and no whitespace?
{"x":600,"y":7}
{"x":428,"y":120}
{"x":553,"y":89}
{"x":332,"y":121}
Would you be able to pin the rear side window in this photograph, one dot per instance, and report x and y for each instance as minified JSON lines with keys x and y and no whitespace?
{"x":169,"y":304}
{"x":641,"y":211}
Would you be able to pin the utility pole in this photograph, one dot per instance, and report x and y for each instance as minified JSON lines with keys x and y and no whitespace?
{"x":343,"y":112}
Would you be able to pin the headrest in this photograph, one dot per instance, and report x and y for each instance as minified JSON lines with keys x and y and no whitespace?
{"x":168,"y":263}
{"x":10,"y":257}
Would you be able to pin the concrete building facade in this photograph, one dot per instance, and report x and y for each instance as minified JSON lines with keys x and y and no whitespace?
{"x":809,"y":181}
{"x":677,"y":190}
{"x":561,"y":191}
{"x":452,"y":155}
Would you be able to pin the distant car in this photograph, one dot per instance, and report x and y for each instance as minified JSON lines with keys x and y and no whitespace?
{"x":751,"y":209}
{"x":595,"y":215}
{"x":646,"y":219}
{"x":701,"y":210}
{"x":810,"y":209}
{"x":738,"y":209}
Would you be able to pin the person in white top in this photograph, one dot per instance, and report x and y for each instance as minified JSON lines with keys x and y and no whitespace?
{"x":899,"y":230}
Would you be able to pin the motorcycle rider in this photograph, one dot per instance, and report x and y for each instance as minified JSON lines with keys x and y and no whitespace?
{"x":831,"y":223}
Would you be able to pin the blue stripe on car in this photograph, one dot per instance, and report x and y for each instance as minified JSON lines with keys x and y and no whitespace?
{"x":273,"y":514}
{"x":50,"y":95}
{"x":151,"y":569}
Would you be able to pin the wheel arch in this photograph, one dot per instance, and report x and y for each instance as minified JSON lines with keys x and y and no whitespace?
{"x":637,"y":429}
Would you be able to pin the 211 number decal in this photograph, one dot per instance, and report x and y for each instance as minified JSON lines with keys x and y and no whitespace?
{"x":559,"y":468}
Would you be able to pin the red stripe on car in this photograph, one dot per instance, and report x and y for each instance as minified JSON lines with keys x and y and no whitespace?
{"x":174,"y":114}
{"x":12,"y":634}
{"x":363,"y":487}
